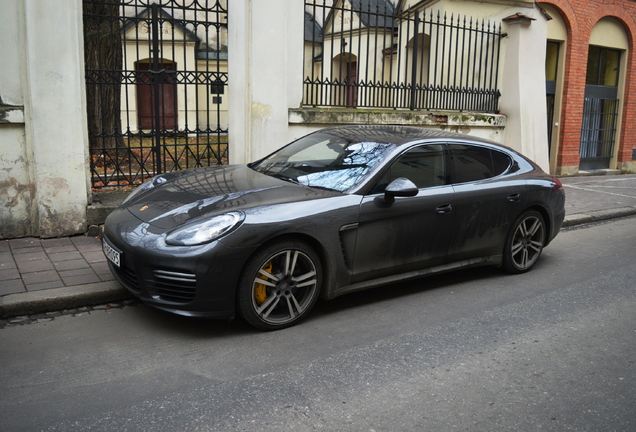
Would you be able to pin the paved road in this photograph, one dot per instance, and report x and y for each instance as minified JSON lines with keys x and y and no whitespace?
{"x":553,"y":349}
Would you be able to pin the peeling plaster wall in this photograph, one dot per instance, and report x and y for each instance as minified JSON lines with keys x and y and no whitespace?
{"x":303,"y":121}
{"x":56,"y":106}
{"x":44,"y":182}
{"x":16,"y":189}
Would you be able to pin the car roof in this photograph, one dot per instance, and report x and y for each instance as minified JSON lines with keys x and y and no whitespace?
{"x":396,"y":134}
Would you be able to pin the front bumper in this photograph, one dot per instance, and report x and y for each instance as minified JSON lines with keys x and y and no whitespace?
{"x":196,"y":281}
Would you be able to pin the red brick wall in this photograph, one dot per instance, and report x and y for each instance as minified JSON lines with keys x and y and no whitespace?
{"x":580,"y":17}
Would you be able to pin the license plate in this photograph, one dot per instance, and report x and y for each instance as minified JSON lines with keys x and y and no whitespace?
{"x":113,"y":255}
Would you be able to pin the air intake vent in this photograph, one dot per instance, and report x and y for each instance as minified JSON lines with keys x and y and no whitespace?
{"x":172,"y":286}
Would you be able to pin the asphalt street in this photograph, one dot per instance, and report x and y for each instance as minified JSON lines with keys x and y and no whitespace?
{"x":553,"y":349}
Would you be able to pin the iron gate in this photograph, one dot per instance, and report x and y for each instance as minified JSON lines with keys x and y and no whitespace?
{"x":156,"y":75}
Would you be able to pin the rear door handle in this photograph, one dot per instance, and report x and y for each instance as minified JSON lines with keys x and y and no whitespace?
{"x":515,"y":197}
{"x":444,"y":208}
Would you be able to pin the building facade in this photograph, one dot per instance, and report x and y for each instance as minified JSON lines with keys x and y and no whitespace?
{"x":590,"y":71}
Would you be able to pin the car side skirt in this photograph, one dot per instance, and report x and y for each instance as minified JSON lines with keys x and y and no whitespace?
{"x":493,"y":260}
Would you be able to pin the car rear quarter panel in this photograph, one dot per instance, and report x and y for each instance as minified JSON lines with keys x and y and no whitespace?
{"x":551,"y":203}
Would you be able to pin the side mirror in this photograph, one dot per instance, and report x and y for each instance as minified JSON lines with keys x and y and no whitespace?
{"x":400,"y":187}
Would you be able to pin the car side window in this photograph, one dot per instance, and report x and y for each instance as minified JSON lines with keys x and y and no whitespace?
{"x":473,"y":163}
{"x":424,"y":165}
{"x":500,"y":162}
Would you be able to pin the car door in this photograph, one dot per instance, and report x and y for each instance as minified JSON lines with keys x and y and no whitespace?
{"x":488,"y":197}
{"x":411,"y":232}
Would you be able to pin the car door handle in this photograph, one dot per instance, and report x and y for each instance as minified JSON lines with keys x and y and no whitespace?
{"x":444,"y":208}
{"x":515,"y":197}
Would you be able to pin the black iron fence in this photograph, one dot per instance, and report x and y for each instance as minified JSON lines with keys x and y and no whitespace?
{"x":156,"y":73}
{"x":366,"y":54}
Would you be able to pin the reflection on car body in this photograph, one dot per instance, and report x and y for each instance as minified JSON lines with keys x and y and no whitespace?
{"x":339,"y":210}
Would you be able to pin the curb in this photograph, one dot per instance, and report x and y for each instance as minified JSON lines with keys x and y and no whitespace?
{"x":56,"y":299}
{"x":598,"y":215}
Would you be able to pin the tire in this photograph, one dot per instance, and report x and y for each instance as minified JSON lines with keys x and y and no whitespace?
{"x":524,"y":243}
{"x":279,"y":285}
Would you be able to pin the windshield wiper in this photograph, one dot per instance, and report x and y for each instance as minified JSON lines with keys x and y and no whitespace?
{"x":294,"y":181}
{"x":285,"y":178}
{"x":323,"y":188}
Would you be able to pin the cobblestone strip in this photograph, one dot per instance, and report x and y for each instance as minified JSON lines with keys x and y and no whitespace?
{"x":50,"y":316}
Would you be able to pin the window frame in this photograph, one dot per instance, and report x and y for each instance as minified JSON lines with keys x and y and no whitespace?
{"x":453,"y":170}
{"x":380,"y":174}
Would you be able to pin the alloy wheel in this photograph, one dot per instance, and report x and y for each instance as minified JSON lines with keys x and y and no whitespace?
{"x":282,"y":287}
{"x":527,"y":242}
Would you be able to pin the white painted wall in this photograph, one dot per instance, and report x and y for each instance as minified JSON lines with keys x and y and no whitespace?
{"x":45,"y":158}
{"x":523,"y":89}
{"x":55,"y":102}
{"x":16,"y":193}
{"x":265,"y":65}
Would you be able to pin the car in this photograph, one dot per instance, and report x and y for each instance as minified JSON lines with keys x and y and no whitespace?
{"x":340,"y":210}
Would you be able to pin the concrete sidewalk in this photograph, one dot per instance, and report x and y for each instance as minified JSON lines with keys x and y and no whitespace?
{"x":45,"y":275}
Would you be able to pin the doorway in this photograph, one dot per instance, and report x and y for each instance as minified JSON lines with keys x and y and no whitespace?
{"x":160,"y":83}
{"x":551,"y":74}
{"x":600,"y":109}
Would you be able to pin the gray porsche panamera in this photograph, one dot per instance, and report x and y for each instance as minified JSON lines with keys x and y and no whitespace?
{"x":339,"y":210}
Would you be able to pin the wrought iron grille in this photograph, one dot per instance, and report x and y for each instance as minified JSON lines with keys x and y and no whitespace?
{"x":363,"y":53}
{"x":156,"y":75}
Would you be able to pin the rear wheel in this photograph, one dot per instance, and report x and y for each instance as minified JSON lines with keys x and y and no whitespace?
{"x":524,"y":243}
{"x":279,"y":285}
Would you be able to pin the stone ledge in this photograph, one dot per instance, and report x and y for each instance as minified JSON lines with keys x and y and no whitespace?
{"x":337,"y":116}
{"x":104,"y":203}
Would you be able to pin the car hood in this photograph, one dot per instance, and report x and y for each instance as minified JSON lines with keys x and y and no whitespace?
{"x":185,"y":195}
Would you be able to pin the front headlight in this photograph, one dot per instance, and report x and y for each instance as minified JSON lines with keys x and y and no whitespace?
{"x":204,"y":231}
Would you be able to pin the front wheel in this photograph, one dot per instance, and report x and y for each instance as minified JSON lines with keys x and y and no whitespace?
{"x":524,"y":243}
{"x":279,"y":285}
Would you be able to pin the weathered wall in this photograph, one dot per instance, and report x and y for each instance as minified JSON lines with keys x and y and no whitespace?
{"x":17,"y":189}
{"x":489,"y":126}
{"x":44,"y":162}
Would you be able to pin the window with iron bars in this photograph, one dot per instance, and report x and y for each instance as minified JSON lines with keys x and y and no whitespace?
{"x":366,"y":54}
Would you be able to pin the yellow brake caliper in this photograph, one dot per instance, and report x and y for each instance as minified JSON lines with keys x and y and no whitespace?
{"x":260,"y":290}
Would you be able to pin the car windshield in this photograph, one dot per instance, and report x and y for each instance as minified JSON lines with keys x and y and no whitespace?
{"x":324,"y":160}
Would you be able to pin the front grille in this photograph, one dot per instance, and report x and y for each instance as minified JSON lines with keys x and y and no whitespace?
{"x":172,"y":286}
{"x":127,"y":276}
